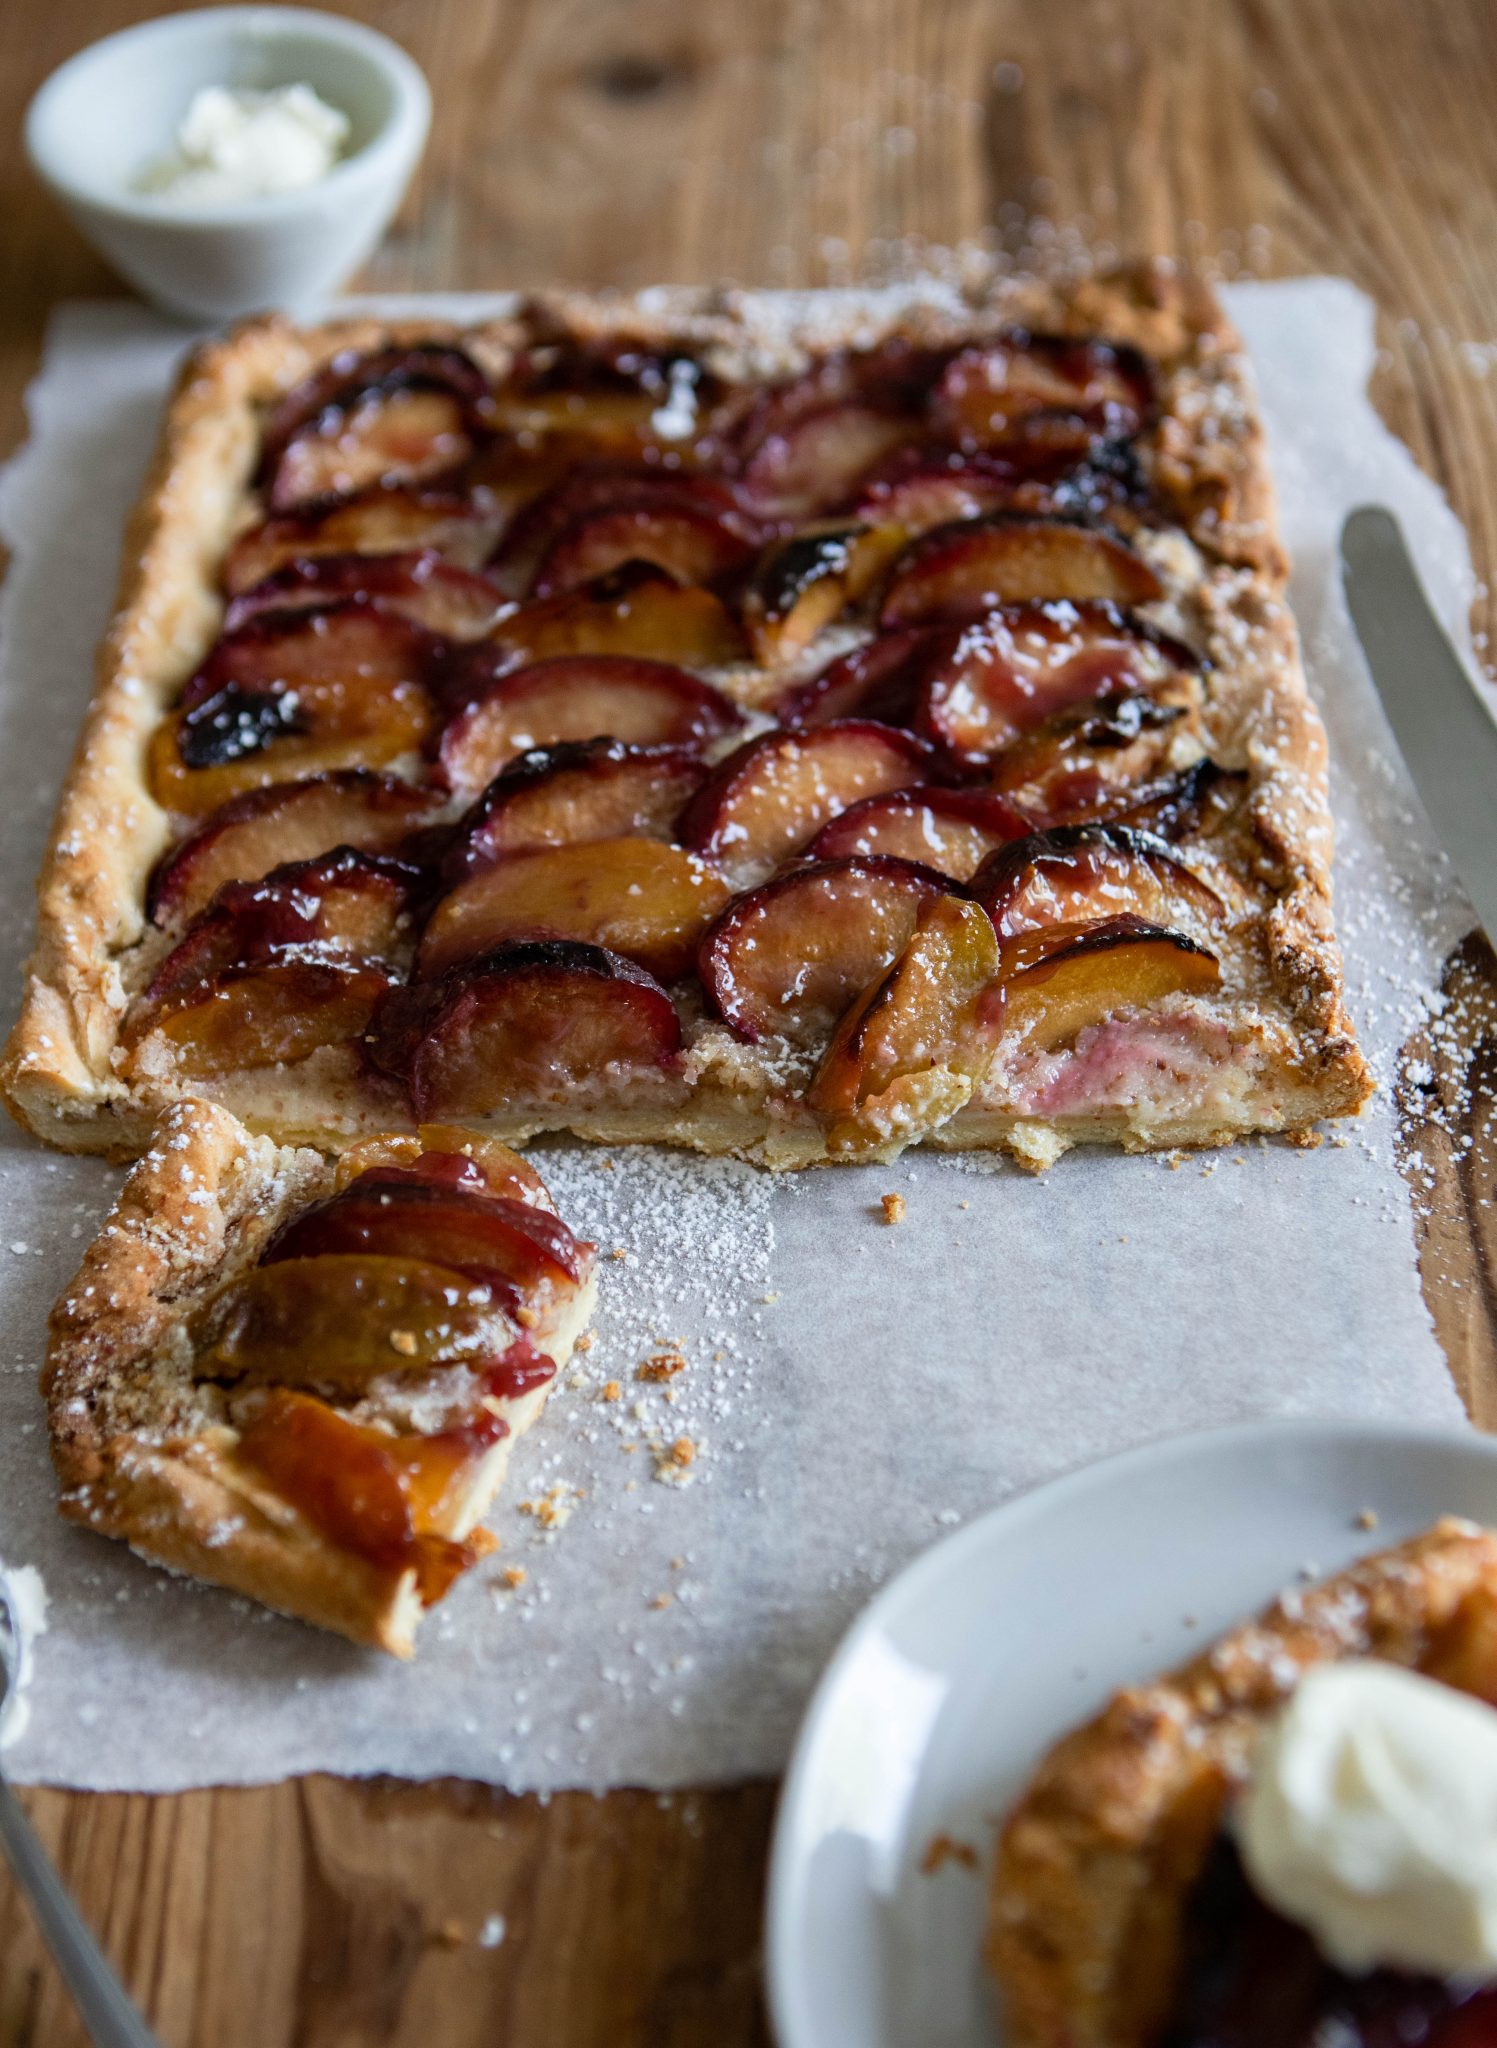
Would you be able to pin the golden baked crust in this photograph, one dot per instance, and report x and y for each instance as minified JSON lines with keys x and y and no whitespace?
{"x":64,"y":1074}
{"x":1097,"y":1860}
{"x":136,"y":1453}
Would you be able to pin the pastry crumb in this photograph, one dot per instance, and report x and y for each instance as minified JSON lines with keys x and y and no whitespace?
{"x":943,"y":1849}
{"x":662,"y":1600}
{"x":554,"y":1508}
{"x":1367,"y":1519}
{"x":613,"y":1390}
{"x":620,"y":1251}
{"x":893,"y":1207}
{"x":513,"y":1575}
{"x":403,"y":1341}
{"x":584,"y":1342}
{"x":661,"y":1365}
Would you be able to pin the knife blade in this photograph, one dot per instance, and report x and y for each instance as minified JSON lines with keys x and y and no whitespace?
{"x":1446,"y":734}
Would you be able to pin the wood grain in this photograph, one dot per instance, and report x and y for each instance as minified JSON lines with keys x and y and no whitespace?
{"x":784,"y":142}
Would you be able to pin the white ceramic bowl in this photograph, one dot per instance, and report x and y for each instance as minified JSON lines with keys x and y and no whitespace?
{"x":114,"y":107}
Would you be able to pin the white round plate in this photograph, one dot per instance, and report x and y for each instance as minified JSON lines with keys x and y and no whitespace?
{"x":970,"y":1664}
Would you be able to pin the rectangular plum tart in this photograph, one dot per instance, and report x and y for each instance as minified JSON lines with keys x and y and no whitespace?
{"x":302,"y":1379}
{"x":792,"y":727}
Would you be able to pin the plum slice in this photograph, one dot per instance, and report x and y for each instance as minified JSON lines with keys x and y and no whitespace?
{"x":558,"y":519}
{"x":689,"y":545}
{"x":462,"y":530}
{"x":296,"y":694}
{"x":343,"y":1319}
{"x":922,"y":486}
{"x":523,"y":1027}
{"x":906,"y":1054}
{"x":449,"y":1155}
{"x":273,"y":970}
{"x":399,"y":415}
{"x":1041,"y":388}
{"x":1098,"y":760}
{"x":519,"y":1252}
{"x":622,"y":394}
{"x":879,"y":680}
{"x":641,"y":898}
{"x":636,"y":610}
{"x":950,"y":830}
{"x":453,"y":602}
{"x":581,"y":697}
{"x":954,"y":574}
{"x":286,"y":821}
{"x":1061,"y":979}
{"x":770,"y":795}
{"x":801,"y":584}
{"x":1018,"y":665}
{"x":1082,"y":872}
{"x":270,"y":1015}
{"x":803,"y":459}
{"x":786,"y":959}
{"x":577,"y":791}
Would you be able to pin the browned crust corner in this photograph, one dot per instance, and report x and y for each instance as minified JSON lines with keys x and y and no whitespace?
{"x":1097,"y":1860}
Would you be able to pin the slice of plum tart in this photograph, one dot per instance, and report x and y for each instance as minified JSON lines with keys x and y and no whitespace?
{"x":801,"y":735}
{"x":1290,"y":1842}
{"x":302,"y":1379}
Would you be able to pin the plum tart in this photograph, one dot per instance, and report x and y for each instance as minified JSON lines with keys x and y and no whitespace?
{"x":1290,"y":1842}
{"x":301,"y":1378}
{"x":799,"y":729}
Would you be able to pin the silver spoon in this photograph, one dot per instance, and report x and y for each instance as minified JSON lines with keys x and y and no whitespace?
{"x":111,"y":2019}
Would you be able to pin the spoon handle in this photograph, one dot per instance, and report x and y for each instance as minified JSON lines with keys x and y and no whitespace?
{"x":111,"y":2019}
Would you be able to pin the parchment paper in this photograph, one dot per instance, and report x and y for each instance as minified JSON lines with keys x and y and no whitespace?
{"x":851,"y":1389}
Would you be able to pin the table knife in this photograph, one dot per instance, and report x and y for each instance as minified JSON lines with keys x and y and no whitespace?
{"x":1446,"y":734}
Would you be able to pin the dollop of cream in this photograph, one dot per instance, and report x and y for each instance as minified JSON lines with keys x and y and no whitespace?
{"x":1371,"y":1820}
{"x":239,"y":144}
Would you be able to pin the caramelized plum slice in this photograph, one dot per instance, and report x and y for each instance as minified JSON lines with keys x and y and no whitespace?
{"x":305,"y":693}
{"x":649,"y":901}
{"x":801,"y":584}
{"x":787,"y":959}
{"x":768,"y":797}
{"x":906,"y":1054}
{"x":804,"y":461}
{"x":286,"y":821}
{"x":274,"y":970}
{"x":270,"y":1015}
{"x":636,"y":611}
{"x":1043,"y":388}
{"x":338,"y":1321}
{"x":397,"y":416}
{"x":921,"y":487}
{"x":357,"y":1484}
{"x":1083,"y":872}
{"x":690,"y":546}
{"x":341,"y":902}
{"x":432,"y":593}
{"x":1063,"y":978}
{"x":1021,"y":664}
{"x":956,"y":573}
{"x":567,"y":795}
{"x":950,"y":830}
{"x":1098,"y":759}
{"x":379,"y":522}
{"x":642,"y":703}
{"x":622,"y":394}
{"x":1192,"y":803}
{"x":518,"y":1251}
{"x":594,"y":490}
{"x":449,"y":1155}
{"x":879,"y":680}
{"x":523,"y":1027}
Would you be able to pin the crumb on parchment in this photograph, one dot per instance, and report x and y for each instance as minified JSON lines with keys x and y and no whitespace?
{"x":893,"y":1207}
{"x":943,"y":1849}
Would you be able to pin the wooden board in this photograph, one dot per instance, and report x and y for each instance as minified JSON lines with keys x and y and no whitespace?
{"x":782,"y":142}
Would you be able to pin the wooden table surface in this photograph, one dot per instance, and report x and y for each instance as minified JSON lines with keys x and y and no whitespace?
{"x":780,"y":142}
